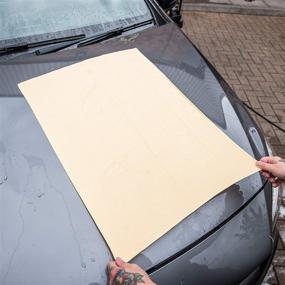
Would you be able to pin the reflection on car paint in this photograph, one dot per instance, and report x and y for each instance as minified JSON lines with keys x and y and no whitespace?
{"x":228,"y":255}
{"x":38,"y":184}
{"x":47,"y":224}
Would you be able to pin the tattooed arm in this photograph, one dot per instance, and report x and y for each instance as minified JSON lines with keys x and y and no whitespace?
{"x":122,"y":273}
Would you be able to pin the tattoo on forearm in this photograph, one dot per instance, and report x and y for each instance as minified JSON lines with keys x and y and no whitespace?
{"x":127,"y":278}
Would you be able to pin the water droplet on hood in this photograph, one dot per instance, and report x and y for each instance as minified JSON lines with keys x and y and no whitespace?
{"x":83,"y":265}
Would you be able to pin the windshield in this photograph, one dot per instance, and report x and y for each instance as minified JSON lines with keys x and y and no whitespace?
{"x":25,"y":18}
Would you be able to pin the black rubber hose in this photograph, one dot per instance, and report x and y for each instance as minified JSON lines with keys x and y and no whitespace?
{"x":264,"y":118}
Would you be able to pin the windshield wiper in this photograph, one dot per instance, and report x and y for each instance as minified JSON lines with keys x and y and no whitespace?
{"x":112,"y":33}
{"x":56,"y":47}
{"x":23,"y":46}
{"x":92,"y":39}
{"x":96,"y":38}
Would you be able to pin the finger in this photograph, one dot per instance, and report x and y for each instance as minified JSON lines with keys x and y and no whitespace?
{"x":270,"y":159}
{"x":265,"y":166}
{"x":265,"y":174}
{"x":119,"y":262}
{"x":276,"y":183}
{"x":272,"y":180}
{"x":111,"y":270}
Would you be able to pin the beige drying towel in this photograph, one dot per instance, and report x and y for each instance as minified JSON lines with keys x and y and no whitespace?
{"x":139,"y":153}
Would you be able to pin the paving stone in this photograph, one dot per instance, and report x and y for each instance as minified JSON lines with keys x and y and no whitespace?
{"x":280,"y":272}
{"x":268,"y":130}
{"x":267,"y":108}
{"x":273,"y":141}
{"x":280,"y":113}
{"x":279,"y":258}
{"x":281,"y":136}
{"x":282,"y":233}
{"x":280,"y":245}
{"x":268,"y":99}
{"x":280,"y":96}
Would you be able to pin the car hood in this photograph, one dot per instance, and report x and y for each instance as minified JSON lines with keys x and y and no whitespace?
{"x":43,"y":214}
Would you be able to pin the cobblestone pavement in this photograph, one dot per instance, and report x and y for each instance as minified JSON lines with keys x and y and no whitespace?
{"x":249,"y":52}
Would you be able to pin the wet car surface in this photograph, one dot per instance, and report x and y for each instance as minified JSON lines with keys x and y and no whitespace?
{"x":47,"y":235}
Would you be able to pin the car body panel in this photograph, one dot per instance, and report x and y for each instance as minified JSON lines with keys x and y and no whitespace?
{"x":44,"y":216}
{"x":47,"y":236}
{"x":228,"y":255}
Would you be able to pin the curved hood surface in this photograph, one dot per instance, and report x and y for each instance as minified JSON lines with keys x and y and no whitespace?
{"x":47,"y":236}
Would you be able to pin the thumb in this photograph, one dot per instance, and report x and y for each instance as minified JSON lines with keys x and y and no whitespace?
{"x":119,"y":262}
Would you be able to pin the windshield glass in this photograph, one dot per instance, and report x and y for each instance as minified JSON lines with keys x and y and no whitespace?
{"x":25,"y":18}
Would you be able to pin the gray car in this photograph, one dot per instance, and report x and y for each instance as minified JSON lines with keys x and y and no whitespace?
{"x":47,"y":236}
